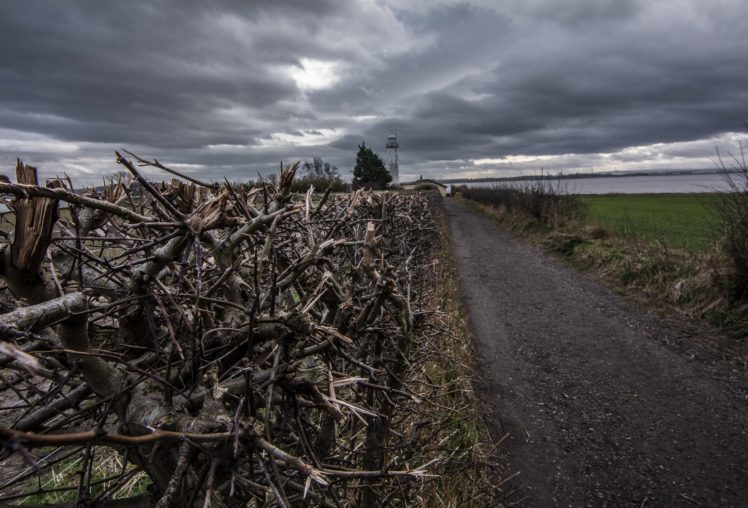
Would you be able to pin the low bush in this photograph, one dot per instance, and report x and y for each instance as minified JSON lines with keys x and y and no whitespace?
{"x":546,"y":200}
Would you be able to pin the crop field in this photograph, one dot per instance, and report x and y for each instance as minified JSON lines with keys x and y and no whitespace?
{"x":683,"y":221}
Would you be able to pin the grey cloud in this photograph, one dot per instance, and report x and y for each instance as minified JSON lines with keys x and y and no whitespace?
{"x":123,"y":75}
{"x":586,"y":96}
{"x":208,"y":84}
{"x":581,"y":13}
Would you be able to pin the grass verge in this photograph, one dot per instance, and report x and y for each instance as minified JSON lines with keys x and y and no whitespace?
{"x":471,"y":473}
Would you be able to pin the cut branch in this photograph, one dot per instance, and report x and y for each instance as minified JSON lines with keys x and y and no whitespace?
{"x":27,"y":191}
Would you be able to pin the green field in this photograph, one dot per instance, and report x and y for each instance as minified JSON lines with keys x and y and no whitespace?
{"x":684,"y":221}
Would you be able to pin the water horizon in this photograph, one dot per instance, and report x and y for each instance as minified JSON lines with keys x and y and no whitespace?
{"x":661,"y":183}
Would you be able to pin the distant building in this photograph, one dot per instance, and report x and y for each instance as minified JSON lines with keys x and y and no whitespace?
{"x":427,"y":184}
{"x":394,"y":169}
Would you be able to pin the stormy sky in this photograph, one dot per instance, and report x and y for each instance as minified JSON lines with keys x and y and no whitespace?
{"x":477,"y":88}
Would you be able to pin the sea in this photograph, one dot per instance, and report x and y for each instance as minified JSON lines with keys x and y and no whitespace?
{"x":661,"y":183}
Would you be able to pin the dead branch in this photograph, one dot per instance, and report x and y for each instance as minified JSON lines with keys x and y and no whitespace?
{"x":233,"y":343}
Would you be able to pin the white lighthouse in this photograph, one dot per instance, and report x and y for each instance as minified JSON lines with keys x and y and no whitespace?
{"x":392,"y":146}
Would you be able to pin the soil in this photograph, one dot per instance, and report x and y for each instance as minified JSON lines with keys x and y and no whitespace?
{"x":603,"y":404}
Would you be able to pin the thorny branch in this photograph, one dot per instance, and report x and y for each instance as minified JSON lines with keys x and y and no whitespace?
{"x":233,"y":343}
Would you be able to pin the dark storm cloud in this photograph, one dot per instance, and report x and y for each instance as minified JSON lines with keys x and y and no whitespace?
{"x":592,"y":92}
{"x":223,"y":88}
{"x":124,"y":75}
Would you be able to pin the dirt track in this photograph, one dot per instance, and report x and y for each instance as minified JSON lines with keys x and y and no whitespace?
{"x":604,"y":404}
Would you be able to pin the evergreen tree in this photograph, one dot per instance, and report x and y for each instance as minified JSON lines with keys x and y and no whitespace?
{"x":370,"y":171}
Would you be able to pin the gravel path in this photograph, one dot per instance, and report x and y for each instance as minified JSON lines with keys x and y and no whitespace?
{"x":603,"y":404}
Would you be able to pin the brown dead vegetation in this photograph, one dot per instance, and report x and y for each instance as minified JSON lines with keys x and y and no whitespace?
{"x":240,"y":347}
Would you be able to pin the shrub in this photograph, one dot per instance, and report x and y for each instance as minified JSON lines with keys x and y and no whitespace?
{"x":322,"y":175}
{"x":544,"y":199}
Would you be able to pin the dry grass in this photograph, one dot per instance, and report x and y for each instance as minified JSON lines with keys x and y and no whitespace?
{"x":472,"y":473}
{"x":110,"y":474}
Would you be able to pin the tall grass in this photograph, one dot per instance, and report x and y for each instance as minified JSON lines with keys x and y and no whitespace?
{"x":732,"y":210}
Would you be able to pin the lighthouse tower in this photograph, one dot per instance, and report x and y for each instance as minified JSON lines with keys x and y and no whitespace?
{"x":392,"y":146}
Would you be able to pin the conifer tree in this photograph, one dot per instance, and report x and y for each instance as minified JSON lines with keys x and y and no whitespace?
{"x":370,"y":171}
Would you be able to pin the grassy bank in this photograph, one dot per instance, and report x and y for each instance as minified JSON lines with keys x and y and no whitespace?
{"x":666,"y":251}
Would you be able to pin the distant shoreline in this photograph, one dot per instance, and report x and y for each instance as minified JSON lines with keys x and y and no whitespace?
{"x":574,"y":176}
